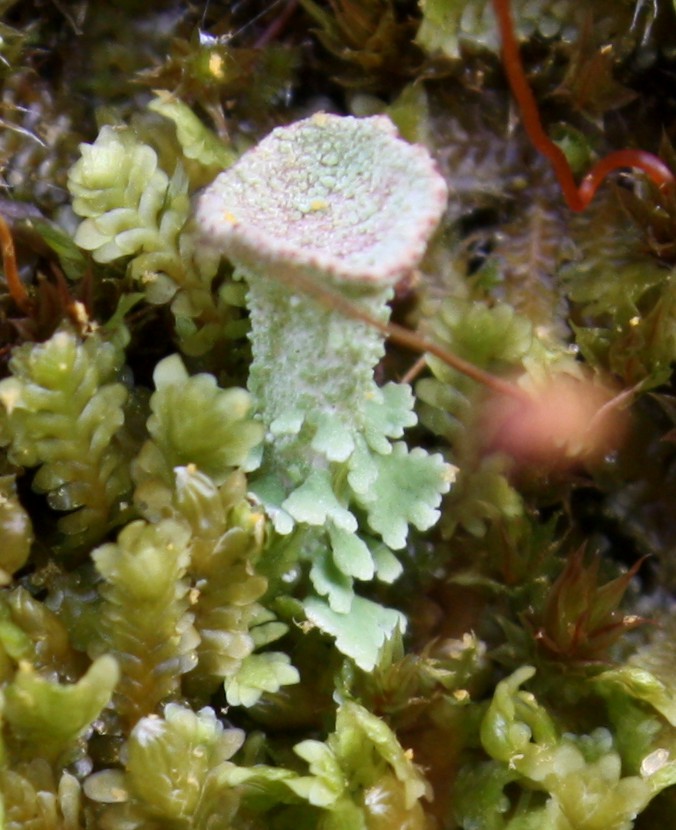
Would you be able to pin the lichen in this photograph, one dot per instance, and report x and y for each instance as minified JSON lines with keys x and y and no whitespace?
{"x":342,"y":202}
{"x":233,"y":592}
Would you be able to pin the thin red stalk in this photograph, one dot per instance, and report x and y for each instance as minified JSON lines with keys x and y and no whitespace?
{"x":331,"y":298}
{"x":277,"y":26}
{"x":16,"y":288}
{"x":577,"y":198}
{"x":650,"y":164}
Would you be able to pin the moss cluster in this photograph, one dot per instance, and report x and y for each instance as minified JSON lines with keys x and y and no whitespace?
{"x":175,"y":651}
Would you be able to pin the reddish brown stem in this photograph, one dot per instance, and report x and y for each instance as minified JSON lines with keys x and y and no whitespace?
{"x":411,"y":340}
{"x":277,"y":26}
{"x":577,"y":198}
{"x":16,"y":288}
{"x":331,"y":298}
{"x":650,"y":164}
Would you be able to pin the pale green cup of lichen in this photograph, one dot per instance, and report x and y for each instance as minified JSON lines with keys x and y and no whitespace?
{"x":342,"y":203}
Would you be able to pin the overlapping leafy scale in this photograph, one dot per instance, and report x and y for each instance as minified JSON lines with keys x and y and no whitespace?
{"x":584,"y":777}
{"x":64,"y":410}
{"x":126,"y":200}
{"x":34,"y":799}
{"x":175,"y":773}
{"x":51,"y":651}
{"x":132,"y":188}
{"x":144,"y":619}
{"x":225,"y":547}
{"x":15,"y":528}
{"x":195,"y":424}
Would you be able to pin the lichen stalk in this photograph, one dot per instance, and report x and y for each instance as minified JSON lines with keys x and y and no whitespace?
{"x":299,"y":364}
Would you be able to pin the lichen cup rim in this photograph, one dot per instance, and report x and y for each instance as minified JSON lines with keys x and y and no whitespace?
{"x":329,"y":196}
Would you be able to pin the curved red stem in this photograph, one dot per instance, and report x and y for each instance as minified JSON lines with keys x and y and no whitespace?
{"x":577,"y":198}
{"x":653,"y":166}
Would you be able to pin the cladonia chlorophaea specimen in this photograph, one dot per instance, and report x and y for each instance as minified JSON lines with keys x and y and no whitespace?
{"x":341,"y":202}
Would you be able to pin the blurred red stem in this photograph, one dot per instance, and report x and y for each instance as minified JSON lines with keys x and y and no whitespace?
{"x":330,"y":298}
{"x":277,"y":26}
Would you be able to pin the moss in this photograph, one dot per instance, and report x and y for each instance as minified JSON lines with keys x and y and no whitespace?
{"x":231,"y":593}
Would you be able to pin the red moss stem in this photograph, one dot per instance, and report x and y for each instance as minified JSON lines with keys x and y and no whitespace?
{"x":15,"y":287}
{"x":656,"y":170}
{"x":577,"y":198}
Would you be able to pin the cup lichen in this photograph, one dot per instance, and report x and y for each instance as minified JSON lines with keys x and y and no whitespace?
{"x":343,"y":202}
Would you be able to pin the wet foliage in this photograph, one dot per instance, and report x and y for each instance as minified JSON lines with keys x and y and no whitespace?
{"x":164,"y":661}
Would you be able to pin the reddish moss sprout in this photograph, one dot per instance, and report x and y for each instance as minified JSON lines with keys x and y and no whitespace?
{"x":577,"y":197}
{"x":15,"y":287}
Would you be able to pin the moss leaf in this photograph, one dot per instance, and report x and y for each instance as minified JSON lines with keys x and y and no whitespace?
{"x":260,"y":673}
{"x":48,"y":716}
